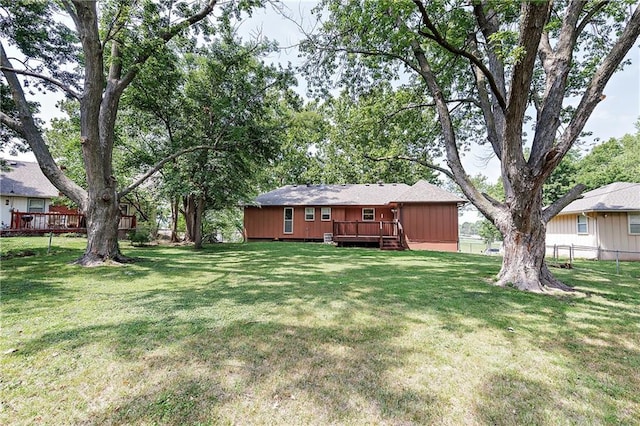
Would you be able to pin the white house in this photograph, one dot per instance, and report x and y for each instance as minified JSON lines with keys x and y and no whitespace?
{"x":603,"y":224}
{"x":24,"y":188}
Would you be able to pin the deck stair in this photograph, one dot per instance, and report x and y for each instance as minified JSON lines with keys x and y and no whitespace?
{"x":391,"y":243}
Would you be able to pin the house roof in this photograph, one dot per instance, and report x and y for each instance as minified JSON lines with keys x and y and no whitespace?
{"x":25,"y":179}
{"x":423,"y":191}
{"x":354,"y":194}
{"x":618,"y":196}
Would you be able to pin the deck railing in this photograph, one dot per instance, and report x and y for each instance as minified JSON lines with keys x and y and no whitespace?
{"x":59,"y":222}
{"x":365,"y":229}
{"x":380,"y":231}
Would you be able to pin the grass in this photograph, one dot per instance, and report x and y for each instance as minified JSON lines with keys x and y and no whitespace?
{"x":279,"y":333}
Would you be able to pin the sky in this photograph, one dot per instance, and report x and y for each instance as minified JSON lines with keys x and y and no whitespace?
{"x":613,"y":118}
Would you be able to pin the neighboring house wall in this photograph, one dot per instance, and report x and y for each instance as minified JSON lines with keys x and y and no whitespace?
{"x":563,"y":231}
{"x":613,"y":230}
{"x":21,"y":204}
{"x":607,"y":231}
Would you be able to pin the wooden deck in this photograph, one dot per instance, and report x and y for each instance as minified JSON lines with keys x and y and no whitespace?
{"x":58,"y":223}
{"x":388,"y":235}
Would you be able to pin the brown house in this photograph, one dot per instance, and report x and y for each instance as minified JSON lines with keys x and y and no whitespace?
{"x":392,"y":216}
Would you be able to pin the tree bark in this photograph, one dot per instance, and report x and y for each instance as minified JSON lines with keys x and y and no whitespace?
{"x":193,"y":213}
{"x":101,"y":93}
{"x":175,"y":211}
{"x":102,"y":234}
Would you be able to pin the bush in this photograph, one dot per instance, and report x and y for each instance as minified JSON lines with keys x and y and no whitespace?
{"x":140,"y":236}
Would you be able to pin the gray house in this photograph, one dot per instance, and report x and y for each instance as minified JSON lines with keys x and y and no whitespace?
{"x":603,"y":224}
{"x":24,"y":188}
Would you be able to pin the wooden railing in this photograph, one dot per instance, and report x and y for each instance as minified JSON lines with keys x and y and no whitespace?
{"x":365,"y":229}
{"x":59,"y":222}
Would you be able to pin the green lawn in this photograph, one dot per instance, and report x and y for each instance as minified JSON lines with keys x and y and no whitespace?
{"x":279,"y":333}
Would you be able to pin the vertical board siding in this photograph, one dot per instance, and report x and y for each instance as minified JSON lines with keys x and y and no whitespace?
{"x":609,"y":231}
{"x":614,"y":235}
{"x":430,"y":222}
{"x":268,"y":222}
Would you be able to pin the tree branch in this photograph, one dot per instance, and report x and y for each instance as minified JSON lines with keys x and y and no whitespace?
{"x":555,"y":208}
{"x":159,"y":165}
{"x":29,"y":130}
{"x":165,"y":37}
{"x":593,"y":93}
{"x":534,"y":18}
{"x":14,"y":125}
{"x":413,"y":160}
{"x":557,"y":65}
{"x":597,"y":8}
{"x":437,"y":37}
{"x":66,"y":88}
{"x":458,"y":173}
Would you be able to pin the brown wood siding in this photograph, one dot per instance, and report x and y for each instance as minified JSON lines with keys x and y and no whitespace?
{"x":268,"y":222}
{"x":433,"y":223}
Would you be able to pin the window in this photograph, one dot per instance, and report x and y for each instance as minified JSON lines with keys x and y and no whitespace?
{"x":583,"y":224}
{"x":288,"y":220}
{"x":634,"y":223}
{"x":368,"y":214}
{"x":325,"y":213}
{"x":309,"y":214}
{"x":124,"y":209}
{"x":35,"y":205}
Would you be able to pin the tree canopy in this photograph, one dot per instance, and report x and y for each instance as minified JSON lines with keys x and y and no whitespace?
{"x":92,"y":52}
{"x":479,"y":68}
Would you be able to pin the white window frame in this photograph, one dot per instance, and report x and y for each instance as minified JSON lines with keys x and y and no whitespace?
{"x":633,"y":219}
{"x":325,"y":214}
{"x":285,"y":220}
{"x":32,"y":209}
{"x":586,"y":225}
{"x":373,"y":214}
{"x":309,"y":214}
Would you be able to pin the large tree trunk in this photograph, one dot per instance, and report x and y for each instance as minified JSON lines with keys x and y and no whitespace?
{"x":523,"y":257}
{"x":523,"y":228}
{"x":193,"y":213}
{"x":102,"y":234}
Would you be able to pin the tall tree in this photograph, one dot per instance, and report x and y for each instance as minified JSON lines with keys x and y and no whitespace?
{"x":616,"y":160}
{"x":107,"y":47}
{"x":225,"y":94}
{"x":373,"y":126}
{"x":480,"y":66}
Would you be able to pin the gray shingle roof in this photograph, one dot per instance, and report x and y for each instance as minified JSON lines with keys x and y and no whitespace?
{"x":27,"y":180}
{"x":618,"y":196}
{"x":423,"y":191}
{"x":354,"y":194}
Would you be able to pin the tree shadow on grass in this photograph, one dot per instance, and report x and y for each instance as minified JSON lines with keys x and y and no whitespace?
{"x":190,"y":372}
{"x":509,"y":398}
{"x":260,"y":359}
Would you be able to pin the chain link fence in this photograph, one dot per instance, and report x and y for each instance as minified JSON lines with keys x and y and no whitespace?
{"x":567,"y":253}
